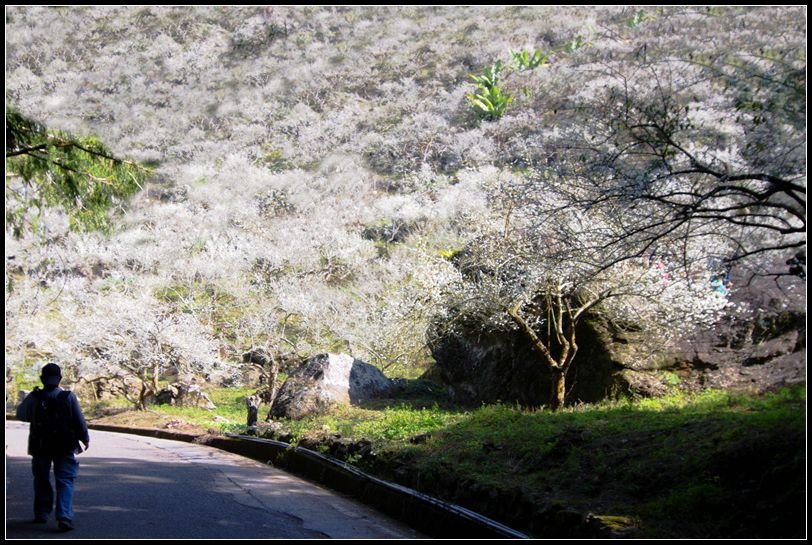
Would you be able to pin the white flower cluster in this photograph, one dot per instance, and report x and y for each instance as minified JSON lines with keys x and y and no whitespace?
{"x":283,"y":137}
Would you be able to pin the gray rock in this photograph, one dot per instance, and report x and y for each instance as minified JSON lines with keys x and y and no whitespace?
{"x":21,"y":395}
{"x":753,"y":367}
{"x":259,"y":356}
{"x":329,"y":379}
{"x":184,"y":395}
{"x":758,"y":355}
{"x":502,"y":366}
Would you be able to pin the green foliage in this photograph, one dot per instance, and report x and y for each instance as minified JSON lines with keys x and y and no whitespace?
{"x":274,"y":159}
{"x":56,"y":169}
{"x":523,"y":60}
{"x":230,"y":413}
{"x":398,"y":423}
{"x":576,"y":44}
{"x":638,"y":19}
{"x":491,"y":102}
{"x":403,"y":422}
{"x":664,"y":462}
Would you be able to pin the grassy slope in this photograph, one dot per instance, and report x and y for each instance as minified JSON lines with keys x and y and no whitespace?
{"x":717,"y":466}
{"x":710,"y":465}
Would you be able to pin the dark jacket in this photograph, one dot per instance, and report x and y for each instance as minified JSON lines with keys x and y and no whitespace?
{"x":25,"y":413}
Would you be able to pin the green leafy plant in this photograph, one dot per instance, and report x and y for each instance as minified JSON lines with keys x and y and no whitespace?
{"x":523,"y":60}
{"x":576,"y":44}
{"x":403,"y":422}
{"x":639,"y":18}
{"x":490,"y":102}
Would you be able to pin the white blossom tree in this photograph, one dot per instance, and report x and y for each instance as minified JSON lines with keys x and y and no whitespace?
{"x":672,"y":138}
{"x":307,"y":181}
{"x":543,"y":269}
{"x":124,"y":338}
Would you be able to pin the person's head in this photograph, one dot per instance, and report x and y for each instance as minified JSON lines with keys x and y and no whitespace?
{"x":51,"y":375}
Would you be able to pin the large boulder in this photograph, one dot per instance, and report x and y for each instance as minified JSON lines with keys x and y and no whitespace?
{"x":758,"y":355}
{"x":325,"y":380}
{"x":762,"y":353}
{"x":758,"y":346}
{"x":502,"y":366}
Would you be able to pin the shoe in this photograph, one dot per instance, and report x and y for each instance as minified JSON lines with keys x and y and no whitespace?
{"x":65,"y":525}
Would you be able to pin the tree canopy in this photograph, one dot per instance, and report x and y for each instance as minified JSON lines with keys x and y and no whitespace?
{"x":51,"y":168}
{"x":691,"y":143}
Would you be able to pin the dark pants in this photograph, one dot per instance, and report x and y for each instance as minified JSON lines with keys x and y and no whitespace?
{"x":65,"y":470}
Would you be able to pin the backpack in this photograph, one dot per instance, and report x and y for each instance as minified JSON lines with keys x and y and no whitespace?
{"x":51,"y":429}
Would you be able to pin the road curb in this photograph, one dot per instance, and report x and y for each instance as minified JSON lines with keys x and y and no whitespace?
{"x":429,"y":515}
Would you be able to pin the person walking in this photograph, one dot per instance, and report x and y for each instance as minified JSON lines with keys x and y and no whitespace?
{"x":57,"y":426}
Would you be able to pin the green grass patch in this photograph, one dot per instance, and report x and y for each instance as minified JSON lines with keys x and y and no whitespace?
{"x":686,"y":465}
{"x":405,"y":422}
{"x":380,"y":426}
{"x":230,"y":413}
{"x":708,"y":465}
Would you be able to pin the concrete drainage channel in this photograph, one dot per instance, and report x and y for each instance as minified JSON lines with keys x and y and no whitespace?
{"x":429,"y":515}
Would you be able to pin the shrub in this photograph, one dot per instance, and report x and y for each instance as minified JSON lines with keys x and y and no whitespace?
{"x":491,"y":102}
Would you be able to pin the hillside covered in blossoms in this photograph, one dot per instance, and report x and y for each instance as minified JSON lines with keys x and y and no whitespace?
{"x":330,"y":179}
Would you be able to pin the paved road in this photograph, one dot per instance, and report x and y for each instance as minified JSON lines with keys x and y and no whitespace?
{"x":140,"y":487}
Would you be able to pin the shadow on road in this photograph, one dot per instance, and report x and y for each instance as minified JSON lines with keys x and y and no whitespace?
{"x":118,"y":499}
